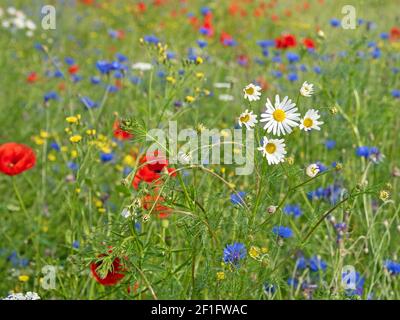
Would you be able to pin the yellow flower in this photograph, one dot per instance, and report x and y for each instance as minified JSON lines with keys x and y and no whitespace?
{"x":102,"y":210}
{"x":384,"y":195}
{"x":44,"y":134}
{"x":199,"y":75}
{"x":199,"y":60}
{"x":171,"y":79}
{"x":64,"y":149}
{"x":51,"y":157}
{"x":255,"y":252}
{"x":98,"y":203}
{"x":91,"y":132}
{"x":129,"y":160}
{"x":76,"y":138}
{"x":189,"y":99}
{"x":78,"y":190}
{"x":23,"y":278}
{"x":39,"y":141}
{"x":74,"y":154}
{"x":290,"y":160}
{"x":220,"y":275}
{"x":72,"y":119}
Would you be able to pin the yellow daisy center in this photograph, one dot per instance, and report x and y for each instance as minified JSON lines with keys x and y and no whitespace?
{"x":279,"y":115}
{"x":249,"y":90}
{"x":308,"y":122}
{"x":245,"y":118}
{"x":270,"y":148}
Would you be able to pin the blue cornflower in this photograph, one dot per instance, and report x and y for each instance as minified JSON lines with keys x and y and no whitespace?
{"x":50,"y":96}
{"x":265,"y":52}
{"x":384,"y":35}
{"x":334,"y":22}
{"x":292,"y":57}
{"x":202,"y":43}
{"x":58,"y":74}
{"x":330,"y":144}
{"x":362,"y":151}
{"x":376,"y":53}
{"x":266,"y":43}
{"x":111,"y":89}
{"x":76,"y":78}
{"x":121,"y":58}
{"x":233,"y":253}
{"x":54,"y":145}
{"x":103,"y":66}
{"x":293,"y":282}
{"x":75,"y":244}
{"x":69,"y":61}
{"x":106,"y":157}
{"x":88,"y":102}
{"x":277,"y":59}
{"x":238,"y":198}
{"x":396,"y":93}
{"x":317,"y":70}
{"x":283,"y":232}
{"x":292,"y":77}
{"x":301,"y":263}
{"x":393,"y":267}
{"x":269,"y":289}
{"x":293,"y":210}
{"x":316,"y":264}
{"x":276,"y":73}
{"x":321,"y":166}
{"x":95,"y":80}
{"x":205,"y":10}
{"x":73,"y":166}
{"x":151,"y":39}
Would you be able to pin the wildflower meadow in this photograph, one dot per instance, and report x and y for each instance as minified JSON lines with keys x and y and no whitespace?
{"x":190,"y":150}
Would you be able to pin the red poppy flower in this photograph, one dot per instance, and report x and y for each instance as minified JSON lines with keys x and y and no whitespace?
{"x":32,"y":77}
{"x":154,"y":162}
{"x":16,"y":158}
{"x":141,"y":7}
{"x":146,"y":175}
{"x":113,"y":276}
{"x":309,"y":43}
{"x":394,"y":34}
{"x":73,"y":69}
{"x":286,"y":41}
{"x":157,"y":201}
{"x":119,"y":133}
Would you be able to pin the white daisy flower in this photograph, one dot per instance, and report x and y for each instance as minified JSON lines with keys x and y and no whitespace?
{"x":273,"y":150}
{"x":252,"y":92}
{"x":248,"y":119}
{"x":312,"y":170}
{"x":307,"y":89}
{"x":142,"y":66}
{"x":280,"y":118}
{"x":310,"y":120}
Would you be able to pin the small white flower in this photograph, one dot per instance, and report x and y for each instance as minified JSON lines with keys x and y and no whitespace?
{"x":307,"y":89}
{"x":30,"y":25}
{"x":126,"y":213}
{"x":252,"y":92}
{"x":29,"y":33}
{"x":281,"y":117}
{"x":273,"y":150}
{"x":19,"y":23}
{"x":222,"y":85}
{"x":248,"y":119}
{"x":142,"y":66}
{"x":225,"y":97}
{"x":312,"y":170}
{"x":310,"y":121}
{"x":11,"y":11}
{"x":6,"y":24}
